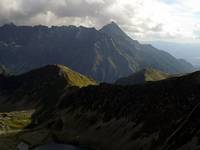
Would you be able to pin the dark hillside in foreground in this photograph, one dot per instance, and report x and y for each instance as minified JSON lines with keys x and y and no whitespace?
{"x":160,"y":115}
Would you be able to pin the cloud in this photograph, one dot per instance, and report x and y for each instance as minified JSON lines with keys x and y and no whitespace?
{"x":142,"y":19}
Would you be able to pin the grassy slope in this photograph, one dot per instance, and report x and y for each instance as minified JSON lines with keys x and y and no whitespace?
{"x":142,"y":77}
{"x":17,"y":120}
{"x":75,"y":78}
{"x":155,"y":75}
{"x":11,"y":124}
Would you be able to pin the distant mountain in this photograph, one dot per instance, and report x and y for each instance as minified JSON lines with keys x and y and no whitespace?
{"x":113,"y":30}
{"x":105,"y":55}
{"x":143,"y":76}
{"x":160,"y":115}
{"x":187,"y":51}
{"x":146,"y":54}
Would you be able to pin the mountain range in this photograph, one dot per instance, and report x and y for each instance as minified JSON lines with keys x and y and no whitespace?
{"x":104,"y":55}
{"x":48,"y":104}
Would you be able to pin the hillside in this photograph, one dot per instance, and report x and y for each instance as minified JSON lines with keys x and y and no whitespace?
{"x":40,"y":86}
{"x":160,"y":115}
{"x":105,"y":55}
{"x":143,"y":76}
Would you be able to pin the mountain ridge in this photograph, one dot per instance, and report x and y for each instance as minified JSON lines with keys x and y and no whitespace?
{"x":143,"y":76}
{"x":48,"y":82}
{"x":105,"y":55}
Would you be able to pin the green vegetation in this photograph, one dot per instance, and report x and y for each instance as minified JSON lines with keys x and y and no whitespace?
{"x":155,"y":75}
{"x":143,"y":76}
{"x":11,"y":124}
{"x":74,"y":78}
{"x":14,"y":121}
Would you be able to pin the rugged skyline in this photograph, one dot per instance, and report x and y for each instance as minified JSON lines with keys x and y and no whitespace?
{"x":174,"y":20}
{"x":105,"y":55}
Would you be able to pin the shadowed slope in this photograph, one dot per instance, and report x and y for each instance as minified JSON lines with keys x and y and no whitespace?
{"x":160,"y":115}
{"x":41,"y":86}
{"x":156,"y":115}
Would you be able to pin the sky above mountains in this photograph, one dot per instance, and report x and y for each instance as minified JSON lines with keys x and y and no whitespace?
{"x":174,"y":20}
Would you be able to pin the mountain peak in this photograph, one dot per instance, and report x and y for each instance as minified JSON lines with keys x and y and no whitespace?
{"x":112,"y":24}
{"x":113,"y":30}
{"x":9,"y":25}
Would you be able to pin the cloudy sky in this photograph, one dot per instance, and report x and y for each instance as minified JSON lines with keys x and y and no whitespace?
{"x":177,"y":20}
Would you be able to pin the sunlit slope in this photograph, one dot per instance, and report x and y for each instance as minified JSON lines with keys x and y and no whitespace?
{"x":143,"y":76}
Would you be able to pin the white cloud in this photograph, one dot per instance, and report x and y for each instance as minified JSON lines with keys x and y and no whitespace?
{"x":142,"y":19}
